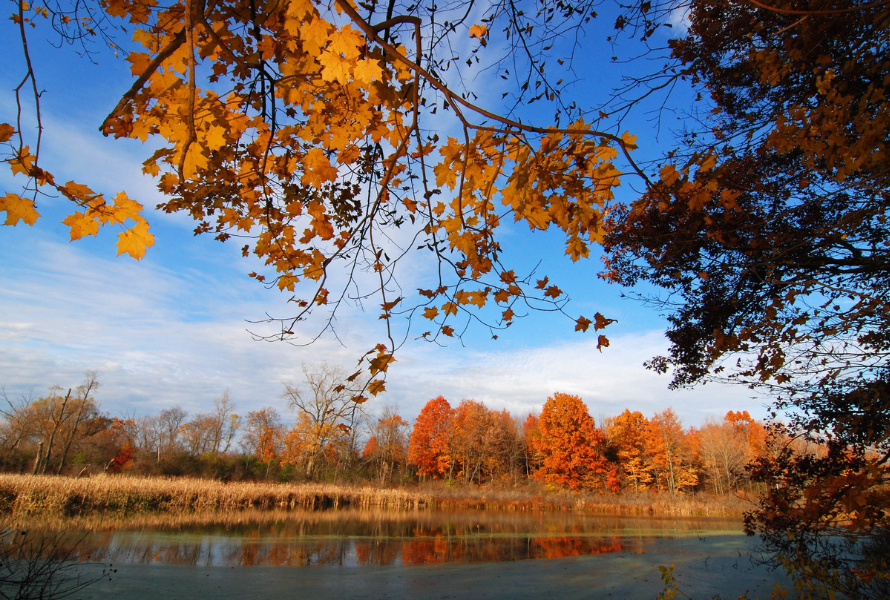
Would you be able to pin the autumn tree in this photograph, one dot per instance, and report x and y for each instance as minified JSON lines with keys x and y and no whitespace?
{"x":430,"y":448}
{"x":530,"y":433}
{"x":723,"y":454}
{"x":50,"y":429}
{"x":767,"y":229}
{"x":504,"y":448}
{"x":387,"y":448}
{"x":626,"y":437}
{"x":669,"y":453}
{"x":326,"y":413}
{"x":471,"y":422}
{"x":263,"y":436}
{"x":568,"y":446}
{"x":169,"y":426}
{"x":212,"y":433}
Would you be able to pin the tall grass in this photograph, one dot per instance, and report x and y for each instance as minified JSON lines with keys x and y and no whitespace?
{"x":25,"y":496}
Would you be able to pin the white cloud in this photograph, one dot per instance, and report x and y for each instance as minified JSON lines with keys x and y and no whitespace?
{"x":521,"y":380}
{"x":679,"y":20}
{"x":160,"y":338}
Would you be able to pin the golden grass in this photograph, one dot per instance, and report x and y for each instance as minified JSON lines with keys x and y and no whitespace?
{"x":24,"y":496}
{"x":69,"y":496}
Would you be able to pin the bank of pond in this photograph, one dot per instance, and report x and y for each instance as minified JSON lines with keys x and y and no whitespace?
{"x":151,"y":537}
{"x":26,"y":496}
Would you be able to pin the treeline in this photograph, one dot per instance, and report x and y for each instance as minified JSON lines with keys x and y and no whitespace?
{"x":332,"y":439}
{"x":565,"y":448}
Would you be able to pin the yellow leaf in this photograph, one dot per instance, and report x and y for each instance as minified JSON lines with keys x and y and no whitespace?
{"x":78,"y":192}
{"x":314,"y":35}
{"x":669,"y":175}
{"x":347,"y":42}
{"x":135,"y":240}
{"x":478,"y":31}
{"x":367,"y":71}
{"x":376,"y":386}
{"x":139,"y":63}
{"x":708,"y":163}
{"x":629,"y":140}
{"x":81,"y":225}
{"x":317,"y":169}
{"x":334,"y":67}
{"x":215,"y":138}
{"x":18,"y":208}
{"x":299,"y":8}
{"x":126,"y":208}
{"x":22,"y":163}
{"x":431,"y":313}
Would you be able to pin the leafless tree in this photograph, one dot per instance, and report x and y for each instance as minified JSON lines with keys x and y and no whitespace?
{"x":325,"y":410}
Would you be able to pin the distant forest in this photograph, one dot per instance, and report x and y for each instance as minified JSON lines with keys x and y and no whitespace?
{"x":333,"y":439}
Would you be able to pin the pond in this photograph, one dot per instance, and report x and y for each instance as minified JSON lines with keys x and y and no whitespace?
{"x":418,"y":554}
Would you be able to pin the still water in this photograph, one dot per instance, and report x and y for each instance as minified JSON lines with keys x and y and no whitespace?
{"x":420,"y":554}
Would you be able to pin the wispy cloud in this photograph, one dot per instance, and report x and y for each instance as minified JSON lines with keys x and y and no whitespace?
{"x":161,"y":338}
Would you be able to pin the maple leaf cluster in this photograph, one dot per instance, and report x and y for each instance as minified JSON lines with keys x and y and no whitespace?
{"x":298,"y":128}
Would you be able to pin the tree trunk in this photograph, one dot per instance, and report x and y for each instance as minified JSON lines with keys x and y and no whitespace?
{"x":57,"y":423}
{"x":37,"y":458}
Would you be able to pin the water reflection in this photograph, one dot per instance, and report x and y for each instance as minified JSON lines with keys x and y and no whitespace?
{"x":363,"y":538}
{"x":136,"y":548}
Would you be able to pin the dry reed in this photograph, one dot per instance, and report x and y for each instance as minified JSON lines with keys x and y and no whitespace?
{"x":23,"y":496}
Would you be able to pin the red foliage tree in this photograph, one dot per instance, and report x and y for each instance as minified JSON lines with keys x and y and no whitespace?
{"x":429,"y":448}
{"x":567,"y":445}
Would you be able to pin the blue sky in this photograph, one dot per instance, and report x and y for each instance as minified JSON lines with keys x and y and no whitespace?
{"x":174,"y":327}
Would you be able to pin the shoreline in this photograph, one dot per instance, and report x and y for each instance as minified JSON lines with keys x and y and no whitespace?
{"x":30,"y":496}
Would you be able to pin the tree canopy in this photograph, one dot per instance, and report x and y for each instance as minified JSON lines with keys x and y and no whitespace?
{"x":768,"y":231}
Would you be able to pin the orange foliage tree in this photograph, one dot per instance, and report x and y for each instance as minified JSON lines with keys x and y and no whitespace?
{"x":726,"y":448}
{"x":471,"y":422}
{"x":486,"y":443}
{"x":430,"y":447}
{"x":670,"y":454}
{"x":626,"y":436}
{"x":568,"y":445}
{"x":387,"y":448}
{"x":263,"y":434}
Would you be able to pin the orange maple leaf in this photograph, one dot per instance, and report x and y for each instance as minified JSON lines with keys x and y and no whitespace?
{"x":18,"y":208}
{"x":601,"y":321}
{"x":478,"y":31}
{"x":376,"y":386}
{"x":366,"y":71}
{"x":317,"y":168}
{"x":334,"y":67}
{"x":81,"y":224}
{"x":135,"y":240}
{"x":6,"y":132}
{"x":22,"y":163}
{"x":553,"y":292}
